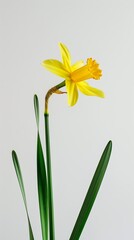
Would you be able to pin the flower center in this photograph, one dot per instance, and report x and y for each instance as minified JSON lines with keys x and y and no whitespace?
{"x":90,"y":70}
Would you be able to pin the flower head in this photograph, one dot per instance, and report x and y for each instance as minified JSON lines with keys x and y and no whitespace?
{"x":75,"y":74}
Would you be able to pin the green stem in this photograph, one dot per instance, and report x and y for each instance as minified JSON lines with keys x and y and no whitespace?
{"x":48,"y":161}
{"x":49,"y":175}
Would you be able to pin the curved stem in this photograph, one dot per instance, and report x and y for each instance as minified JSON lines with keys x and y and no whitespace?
{"x":48,"y":161}
{"x":50,"y":92}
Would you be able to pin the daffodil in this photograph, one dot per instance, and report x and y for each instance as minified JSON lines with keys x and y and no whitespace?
{"x":75,"y":74}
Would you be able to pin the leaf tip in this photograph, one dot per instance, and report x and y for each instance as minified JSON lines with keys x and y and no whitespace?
{"x":110,"y":143}
{"x":35,"y":96}
{"x":36,"y":109}
{"x":13,"y":153}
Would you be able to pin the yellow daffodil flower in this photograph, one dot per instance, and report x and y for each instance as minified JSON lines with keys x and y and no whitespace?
{"x":75,"y":75}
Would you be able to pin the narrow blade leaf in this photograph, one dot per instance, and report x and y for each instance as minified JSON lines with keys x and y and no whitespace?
{"x":21,"y":184}
{"x":36,"y":109}
{"x":42,"y":189}
{"x":91,"y":193}
{"x":41,"y":178}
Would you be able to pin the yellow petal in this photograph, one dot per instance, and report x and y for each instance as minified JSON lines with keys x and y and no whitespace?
{"x":55,"y":67}
{"x":86,"y":89}
{"x":77,"y":65}
{"x":72,"y":92}
{"x":66,"y":57}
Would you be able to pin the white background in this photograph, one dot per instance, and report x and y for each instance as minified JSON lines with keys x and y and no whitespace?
{"x":29,"y":33}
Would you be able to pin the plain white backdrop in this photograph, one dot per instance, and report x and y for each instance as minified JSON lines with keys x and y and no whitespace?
{"x":29,"y":33}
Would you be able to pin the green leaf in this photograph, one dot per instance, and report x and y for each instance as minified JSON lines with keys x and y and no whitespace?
{"x":42,"y":189}
{"x":21,"y":184}
{"x":36,"y":109}
{"x":41,"y":178}
{"x":91,"y":193}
